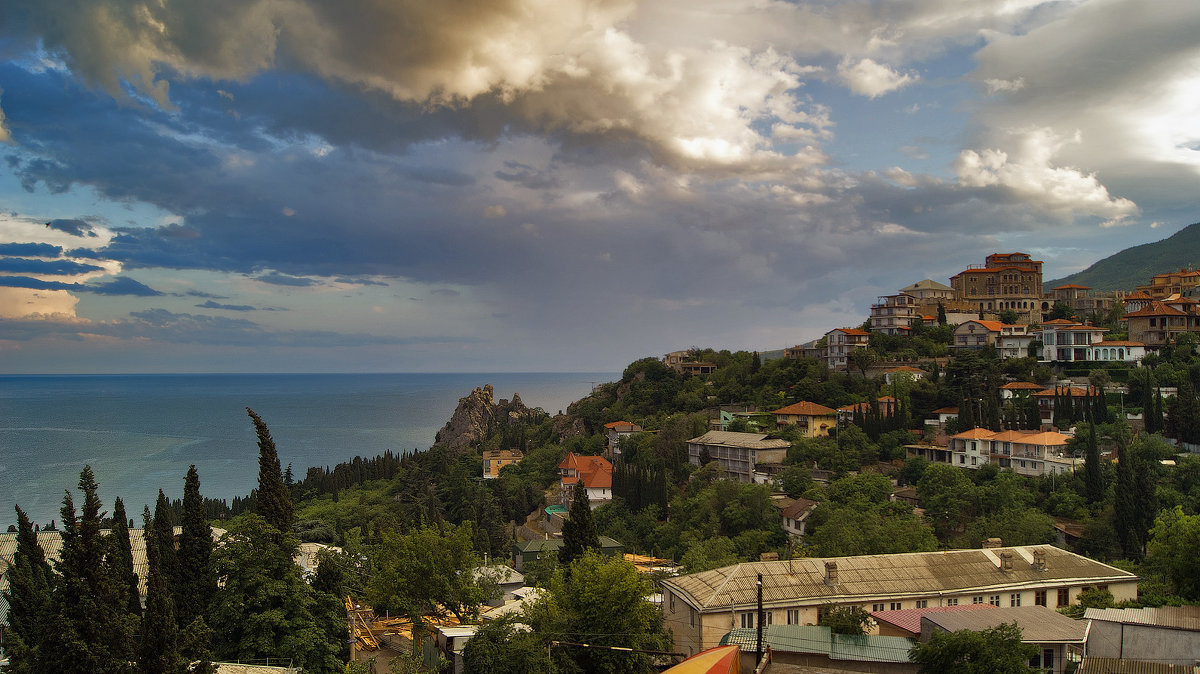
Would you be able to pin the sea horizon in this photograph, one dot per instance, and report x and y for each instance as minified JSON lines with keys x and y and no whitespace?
{"x":141,"y":431}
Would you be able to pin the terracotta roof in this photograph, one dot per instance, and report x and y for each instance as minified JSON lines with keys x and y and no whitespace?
{"x":791,"y":582}
{"x":851,"y":331}
{"x":1119,"y":343}
{"x":1156,"y":308}
{"x":906,"y":368}
{"x":798,"y":508}
{"x":1071,"y":286}
{"x":1073,"y":391}
{"x":909,"y":619}
{"x":623,"y":426}
{"x":806,"y":409}
{"x":976,"y":434}
{"x":1022,"y":386}
{"x":1046,"y":439}
{"x":1138,"y":295}
{"x":594,"y":471}
{"x":946,"y":410}
{"x":1060,"y":321}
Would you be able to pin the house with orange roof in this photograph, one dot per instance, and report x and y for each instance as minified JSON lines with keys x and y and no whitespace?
{"x":811,"y":419}
{"x":615,"y":432}
{"x":1158,"y":324}
{"x":1182,"y":282}
{"x":1137,"y":300}
{"x":839,"y":342}
{"x":495,"y":459}
{"x":1019,"y":388}
{"x":595,"y":473}
{"x":1010,"y":341}
{"x":1047,"y":397}
{"x":885,"y":405}
{"x":1030,"y":453}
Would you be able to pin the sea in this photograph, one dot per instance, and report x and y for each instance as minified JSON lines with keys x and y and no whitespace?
{"x":139,"y":433}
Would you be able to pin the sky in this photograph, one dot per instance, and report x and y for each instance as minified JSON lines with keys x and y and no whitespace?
{"x":556,"y":185}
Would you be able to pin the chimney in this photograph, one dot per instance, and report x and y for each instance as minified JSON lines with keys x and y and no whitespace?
{"x":1039,"y":560}
{"x":992,"y":543}
{"x":1006,"y":561}
{"x":831,"y":573}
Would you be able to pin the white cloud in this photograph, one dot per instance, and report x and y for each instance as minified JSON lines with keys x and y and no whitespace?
{"x":999,"y":86}
{"x":1028,"y":171}
{"x":871,"y":79}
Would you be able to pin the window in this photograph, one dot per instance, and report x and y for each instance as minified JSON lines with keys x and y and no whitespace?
{"x":952,"y":601}
{"x":962,"y":458}
{"x":1064,"y":597}
{"x":793,"y":616}
{"x":977,"y":599}
{"x":896,"y":606}
{"x":1014,"y":599}
{"x":973,"y":461}
{"x":1048,"y":659}
{"x":994,"y":600}
{"x":671,"y":601}
{"x":877,"y":607}
{"x":748,"y":620}
{"x":1039,"y":597}
{"x":922,"y":603}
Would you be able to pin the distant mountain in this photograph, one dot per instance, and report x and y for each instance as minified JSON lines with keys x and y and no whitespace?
{"x":1134,"y":266}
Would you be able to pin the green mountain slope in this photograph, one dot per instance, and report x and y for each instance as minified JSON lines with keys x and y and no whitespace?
{"x":1134,"y":266}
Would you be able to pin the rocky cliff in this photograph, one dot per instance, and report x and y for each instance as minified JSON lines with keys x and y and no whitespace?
{"x":479,"y":415}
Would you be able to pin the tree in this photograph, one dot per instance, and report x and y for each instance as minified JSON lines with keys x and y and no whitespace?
{"x":194,"y":584}
{"x":272,"y":502}
{"x":121,"y":552}
{"x":996,"y":650}
{"x":941,"y":314}
{"x":425,"y":572}
{"x":1061,"y":310}
{"x":505,"y":646}
{"x":852,"y":620}
{"x":30,"y":579}
{"x":863,"y":358}
{"x":1093,"y":472}
{"x":1174,"y":551}
{"x":1009,"y":317}
{"x":579,"y":531}
{"x":265,"y":609}
{"x":604,"y":604}
{"x":948,"y":497}
{"x":159,"y":651}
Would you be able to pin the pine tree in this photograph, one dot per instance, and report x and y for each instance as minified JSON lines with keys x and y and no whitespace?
{"x":579,"y":531}
{"x":159,"y":651}
{"x":273,"y":501}
{"x":30,"y":580}
{"x":195,"y":581}
{"x":121,"y":553}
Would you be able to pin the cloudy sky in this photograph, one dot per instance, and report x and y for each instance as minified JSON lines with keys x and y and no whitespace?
{"x":533,"y":185}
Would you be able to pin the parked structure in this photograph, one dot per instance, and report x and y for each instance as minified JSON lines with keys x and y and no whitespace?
{"x":701,"y":607}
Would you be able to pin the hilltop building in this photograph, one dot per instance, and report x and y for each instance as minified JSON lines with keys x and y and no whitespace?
{"x":840,"y":342}
{"x":1005,"y":281}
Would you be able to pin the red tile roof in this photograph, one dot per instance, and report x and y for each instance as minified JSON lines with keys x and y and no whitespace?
{"x":1072,"y":286}
{"x":853,"y":331}
{"x":1023,"y":386}
{"x":806,"y":409}
{"x":594,"y":471}
{"x":1156,"y":308}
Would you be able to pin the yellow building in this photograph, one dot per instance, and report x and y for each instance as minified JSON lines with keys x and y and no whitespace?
{"x":812,"y":419}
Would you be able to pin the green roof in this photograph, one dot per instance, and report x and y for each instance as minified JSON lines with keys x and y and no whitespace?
{"x":821,"y":641}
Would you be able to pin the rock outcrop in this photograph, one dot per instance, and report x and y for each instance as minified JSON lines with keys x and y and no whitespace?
{"x":479,"y":415}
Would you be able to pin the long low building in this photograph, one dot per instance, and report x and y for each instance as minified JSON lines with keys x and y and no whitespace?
{"x":702,"y":607}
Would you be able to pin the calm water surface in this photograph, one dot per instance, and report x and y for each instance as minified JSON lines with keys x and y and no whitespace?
{"x":140,"y":432}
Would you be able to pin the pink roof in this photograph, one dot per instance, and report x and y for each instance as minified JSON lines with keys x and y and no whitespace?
{"x":909,"y":619}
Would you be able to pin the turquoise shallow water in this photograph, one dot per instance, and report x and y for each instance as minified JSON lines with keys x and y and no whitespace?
{"x":140,"y":432}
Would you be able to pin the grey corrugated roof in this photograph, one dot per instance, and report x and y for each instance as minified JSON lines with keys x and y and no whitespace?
{"x":1173,"y":617}
{"x":868,"y":576}
{"x":821,"y":641}
{"x":1038,"y":624}
{"x":1093,"y":665}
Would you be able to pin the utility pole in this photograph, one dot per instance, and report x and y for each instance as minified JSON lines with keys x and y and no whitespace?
{"x":758,"y":651}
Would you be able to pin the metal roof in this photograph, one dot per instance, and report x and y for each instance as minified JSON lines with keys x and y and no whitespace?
{"x":1039,"y":624}
{"x":821,"y":641}
{"x":788,"y":582}
{"x":1093,"y":665}
{"x":1173,"y":617}
{"x":744,"y":440}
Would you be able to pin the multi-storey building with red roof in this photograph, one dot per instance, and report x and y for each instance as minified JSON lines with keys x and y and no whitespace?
{"x":840,"y":342}
{"x":1005,"y":281}
{"x":811,"y":419}
{"x":1183,"y":282}
{"x":1010,"y":341}
{"x":1158,"y":324}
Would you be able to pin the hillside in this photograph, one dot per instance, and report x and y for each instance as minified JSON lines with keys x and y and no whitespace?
{"x":1134,"y":266}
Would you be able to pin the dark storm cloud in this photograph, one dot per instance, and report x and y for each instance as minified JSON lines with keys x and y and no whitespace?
{"x":30,"y":249}
{"x":72,"y":227}
{"x":227,"y":307}
{"x":527,"y":176}
{"x":119,"y":286}
{"x":277,"y":279}
{"x":18,"y":265}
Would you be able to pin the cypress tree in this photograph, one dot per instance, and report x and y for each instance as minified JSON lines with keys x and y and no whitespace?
{"x":121,"y":554}
{"x":29,"y":603}
{"x":579,"y":531}
{"x":1126,"y":518}
{"x":1093,"y":477}
{"x":196,"y":582}
{"x":158,"y":652}
{"x":273,"y":501}
{"x":164,"y":534}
